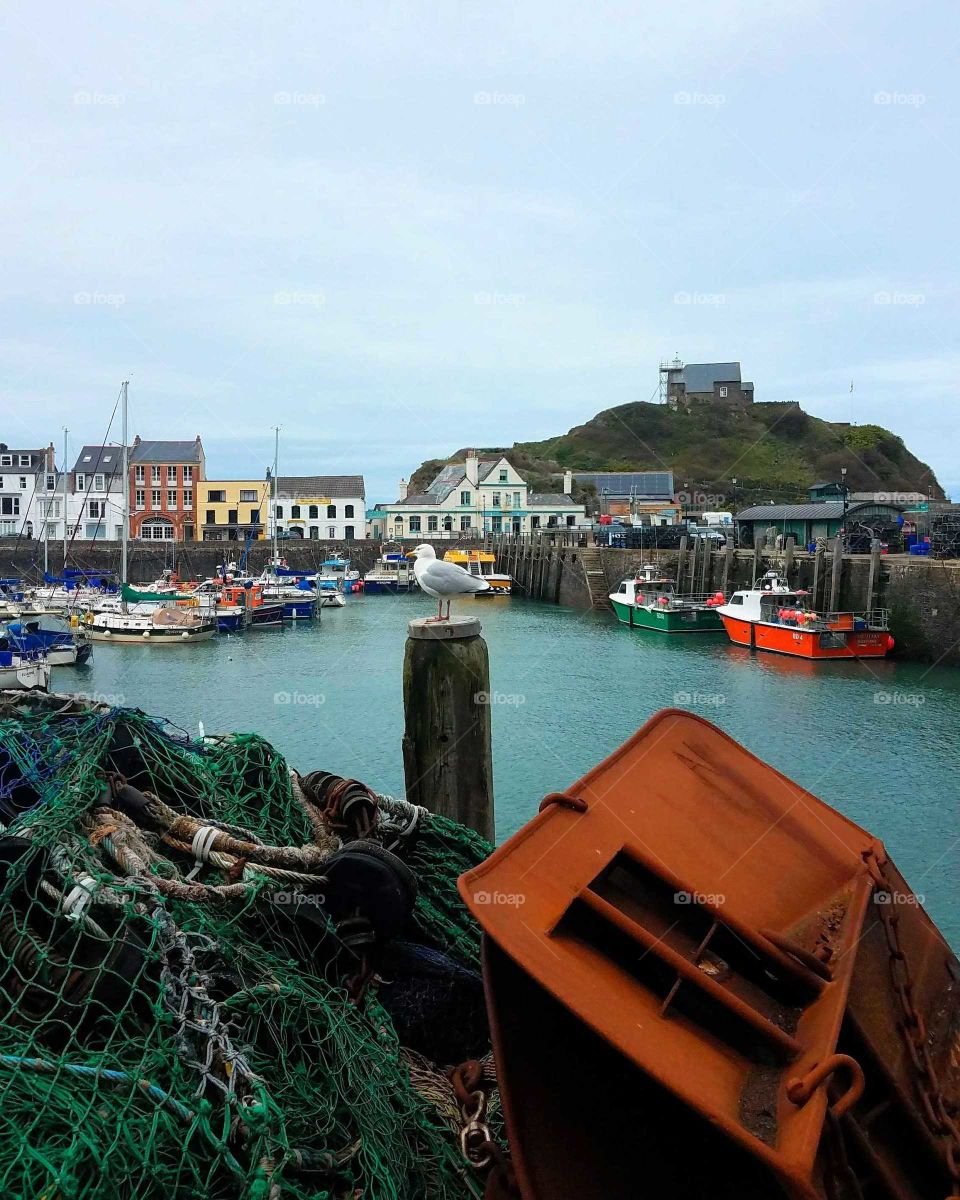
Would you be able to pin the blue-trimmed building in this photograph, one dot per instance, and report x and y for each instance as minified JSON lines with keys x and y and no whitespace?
{"x":480,"y":495}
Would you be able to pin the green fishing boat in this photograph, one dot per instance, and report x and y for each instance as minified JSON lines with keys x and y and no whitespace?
{"x":650,"y":601}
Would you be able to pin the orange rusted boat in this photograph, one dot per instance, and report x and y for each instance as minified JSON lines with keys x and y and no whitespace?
{"x":705,"y":982}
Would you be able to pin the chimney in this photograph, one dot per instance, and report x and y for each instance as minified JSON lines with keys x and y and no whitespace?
{"x":136,"y":439}
{"x":567,"y":482}
{"x":473,"y":468}
{"x":403,"y":489}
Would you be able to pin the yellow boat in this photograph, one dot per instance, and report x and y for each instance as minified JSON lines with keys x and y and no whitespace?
{"x":482,"y":562}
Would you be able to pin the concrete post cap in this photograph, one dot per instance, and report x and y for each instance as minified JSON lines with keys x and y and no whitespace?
{"x":443,"y":631}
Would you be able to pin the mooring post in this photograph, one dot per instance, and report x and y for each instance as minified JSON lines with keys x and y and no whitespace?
{"x":836,"y":572}
{"x":756,"y":563}
{"x":873,"y":578}
{"x":817,"y":574}
{"x":788,"y":557}
{"x":447,"y":756}
{"x":681,"y":562}
{"x":727,"y":560}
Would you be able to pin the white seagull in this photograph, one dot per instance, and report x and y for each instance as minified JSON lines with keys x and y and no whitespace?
{"x":443,"y":579}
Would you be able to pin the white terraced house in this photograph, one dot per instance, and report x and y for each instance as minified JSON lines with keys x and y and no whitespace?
{"x":95,"y":510}
{"x":477,"y":496}
{"x":318,"y":507}
{"x":22,"y":475}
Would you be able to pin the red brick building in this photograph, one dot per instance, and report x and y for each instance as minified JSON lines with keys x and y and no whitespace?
{"x":164,"y":477}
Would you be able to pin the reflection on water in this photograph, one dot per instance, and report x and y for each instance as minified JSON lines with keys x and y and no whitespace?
{"x":877,"y":740}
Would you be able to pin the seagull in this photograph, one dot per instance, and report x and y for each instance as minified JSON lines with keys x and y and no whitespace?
{"x":443,"y":579}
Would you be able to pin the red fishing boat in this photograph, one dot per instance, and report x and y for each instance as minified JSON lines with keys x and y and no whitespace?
{"x":774,"y":616}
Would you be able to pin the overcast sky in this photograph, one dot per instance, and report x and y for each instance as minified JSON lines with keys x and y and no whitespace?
{"x":400,"y":228}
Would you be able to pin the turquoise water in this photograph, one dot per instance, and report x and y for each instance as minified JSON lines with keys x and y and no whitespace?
{"x":878,"y":740}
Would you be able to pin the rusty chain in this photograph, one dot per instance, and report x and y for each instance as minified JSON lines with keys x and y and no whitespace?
{"x":472,"y":1083}
{"x":932,"y":1103}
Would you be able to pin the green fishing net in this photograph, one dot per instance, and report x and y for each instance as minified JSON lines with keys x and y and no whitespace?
{"x":180,"y":1024}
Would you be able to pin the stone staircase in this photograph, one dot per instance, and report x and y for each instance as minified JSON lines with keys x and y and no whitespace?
{"x":589,"y":557}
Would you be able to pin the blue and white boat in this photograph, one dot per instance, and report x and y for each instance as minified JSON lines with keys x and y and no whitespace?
{"x":338,"y":568}
{"x":60,"y":645}
{"x":294,"y":590}
{"x":22,"y":671}
{"x":392,"y":573}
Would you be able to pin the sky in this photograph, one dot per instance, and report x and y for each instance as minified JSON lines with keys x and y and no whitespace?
{"x":397,"y":229}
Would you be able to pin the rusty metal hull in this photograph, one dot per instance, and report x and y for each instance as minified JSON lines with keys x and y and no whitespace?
{"x":702,"y":980}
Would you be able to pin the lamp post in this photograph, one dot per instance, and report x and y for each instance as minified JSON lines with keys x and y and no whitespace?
{"x":843,"y":489}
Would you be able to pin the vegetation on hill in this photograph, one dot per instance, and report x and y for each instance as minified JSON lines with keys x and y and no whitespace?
{"x":775,"y":451}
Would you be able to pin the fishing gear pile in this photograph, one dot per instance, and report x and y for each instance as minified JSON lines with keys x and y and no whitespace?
{"x":219,"y":978}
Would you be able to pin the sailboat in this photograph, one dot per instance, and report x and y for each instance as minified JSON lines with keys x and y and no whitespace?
{"x":151,"y":618}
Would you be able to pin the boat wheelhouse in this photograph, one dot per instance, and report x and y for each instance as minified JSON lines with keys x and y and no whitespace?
{"x":773,"y":616}
{"x":338,"y":569}
{"x":650,"y":601}
{"x":481,"y":563}
{"x":392,"y":573}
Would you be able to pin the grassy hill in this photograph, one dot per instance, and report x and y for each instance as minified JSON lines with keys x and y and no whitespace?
{"x":775,"y":452}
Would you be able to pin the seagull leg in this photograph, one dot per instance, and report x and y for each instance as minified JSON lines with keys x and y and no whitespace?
{"x":448,"y":610}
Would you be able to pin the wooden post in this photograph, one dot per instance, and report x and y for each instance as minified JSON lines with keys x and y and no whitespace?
{"x":817,"y":575}
{"x":836,"y":572}
{"x":447,"y":756}
{"x":756,"y":562}
{"x":681,"y":562}
{"x":727,"y":560}
{"x":873,"y":578}
{"x":788,"y":557}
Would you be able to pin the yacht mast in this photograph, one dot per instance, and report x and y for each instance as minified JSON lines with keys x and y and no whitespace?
{"x":276,"y":460}
{"x":125,"y":528}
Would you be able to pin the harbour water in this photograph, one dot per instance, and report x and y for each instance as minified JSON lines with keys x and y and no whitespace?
{"x":878,"y":740}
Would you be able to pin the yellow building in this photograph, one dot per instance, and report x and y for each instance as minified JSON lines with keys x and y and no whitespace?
{"x":230,"y":509}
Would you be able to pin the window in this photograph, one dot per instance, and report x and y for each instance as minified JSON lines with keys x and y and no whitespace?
{"x":231,"y":516}
{"x":331,"y":531}
{"x":723,"y":391}
{"x":159,"y":530}
{"x":314,"y":533}
{"x":211,"y":518}
{"x":348,"y":510}
{"x":6,"y":460}
{"x":155,"y":498}
{"x":464,"y":497}
{"x":571,"y":520}
{"x":25,"y":460}
{"x":140,"y":500}
{"x":171,"y":476}
{"x":23,"y":481}
{"x":97,"y":508}
{"x":516,"y":499}
{"x":254,"y":516}
{"x":314,"y":512}
{"x":464,"y":522}
{"x":414,"y":524}
{"x":87,"y":458}
{"x":736,"y":598}
{"x":448,"y":524}
{"x":138,"y":475}
{"x":503,"y":475}
{"x":10,"y":506}
{"x":534,"y":522}
{"x":188,"y":474}
{"x":278,"y":512}
{"x":108,"y":458}
{"x":496,"y":524}
{"x":188,"y":497}
{"x":248,"y":494}
{"x":432,"y":523}
{"x":496,"y":499}
{"x":154,"y":474}
{"x":348,"y":533}
{"x":51,"y":483}
{"x":331,"y":511}
{"x":81,"y":483}
{"x":216,"y":496}
{"x":295,"y":512}
{"x":171,"y":498}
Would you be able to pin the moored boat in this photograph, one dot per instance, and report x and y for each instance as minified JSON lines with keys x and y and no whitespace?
{"x":62,"y":646}
{"x":23,"y":670}
{"x":773,"y":616}
{"x":163,"y":626}
{"x":482,"y":563}
{"x":650,"y":601}
{"x":248,"y":598}
{"x":392,"y":573}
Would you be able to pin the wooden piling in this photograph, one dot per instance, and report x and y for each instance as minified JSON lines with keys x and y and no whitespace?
{"x":788,"y":557}
{"x":836,"y":572}
{"x":727,"y":560}
{"x":817,"y":575}
{"x":873,"y":578}
{"x":681,"y":562}
{"x":447,"y":755}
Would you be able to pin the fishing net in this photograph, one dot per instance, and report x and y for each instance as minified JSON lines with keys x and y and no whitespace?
{"x":215,"y":980}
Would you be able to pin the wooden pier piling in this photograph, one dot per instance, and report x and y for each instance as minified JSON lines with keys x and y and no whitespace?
{"x":836,"y":571}
{"x":447,"y":756}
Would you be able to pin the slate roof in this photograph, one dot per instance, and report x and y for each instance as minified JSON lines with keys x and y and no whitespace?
{"x":347,"y":487}
{"x":557,"y":499}
{"x":165,"y":452}
{"x":639,"y":484}
{"x":700,"y":377}
{"x":827,"y":510}
{"x":107,"y":460}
